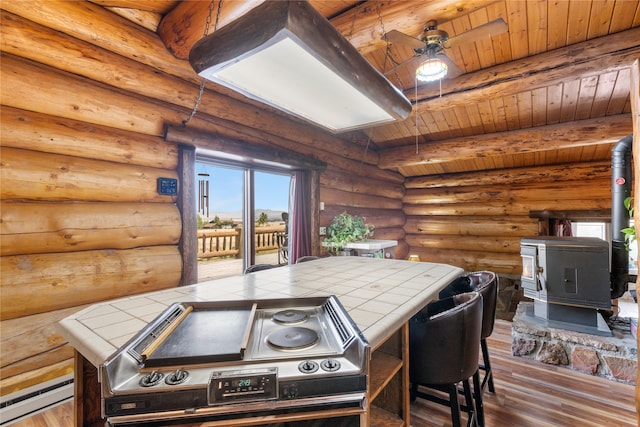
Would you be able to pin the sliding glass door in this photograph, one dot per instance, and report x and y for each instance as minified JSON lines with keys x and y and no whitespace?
{"x":242,"y":215}
{"x":271,"y":196}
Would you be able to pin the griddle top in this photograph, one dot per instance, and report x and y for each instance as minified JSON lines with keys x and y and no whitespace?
{"x":203,"y":336}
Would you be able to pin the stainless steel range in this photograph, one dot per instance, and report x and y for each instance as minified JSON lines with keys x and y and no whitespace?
{"x":275,"y":359}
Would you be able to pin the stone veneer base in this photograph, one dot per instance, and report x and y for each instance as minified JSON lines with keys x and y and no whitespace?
{"x":614,"y":357}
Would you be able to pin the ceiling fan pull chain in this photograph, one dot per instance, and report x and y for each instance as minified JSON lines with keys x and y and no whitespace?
{"x":206,"y":33}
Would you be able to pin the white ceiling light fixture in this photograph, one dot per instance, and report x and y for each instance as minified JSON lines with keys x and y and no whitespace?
{"x":285,"y":54}
{"x":431,"y":70}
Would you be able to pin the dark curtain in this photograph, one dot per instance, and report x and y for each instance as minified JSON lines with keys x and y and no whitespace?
{"x":562,"y":227}
{"x":299,"y":233}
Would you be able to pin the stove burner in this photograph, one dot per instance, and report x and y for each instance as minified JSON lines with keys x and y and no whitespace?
{"x":292,"y":338}
{"x":290,"y":316}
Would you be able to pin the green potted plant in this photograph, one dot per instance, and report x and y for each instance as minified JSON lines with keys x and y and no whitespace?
{"x":345,"y":229}
{"x":629,"y":232}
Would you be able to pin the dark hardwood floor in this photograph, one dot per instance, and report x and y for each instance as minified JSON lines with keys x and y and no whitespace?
{"x":534,"y":394}
{"x":528,"y":394}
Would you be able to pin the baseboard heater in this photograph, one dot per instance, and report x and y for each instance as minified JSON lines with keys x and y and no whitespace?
{"x":30,"y":401}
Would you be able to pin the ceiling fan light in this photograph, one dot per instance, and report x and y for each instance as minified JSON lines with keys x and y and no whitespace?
{"x":431,"y":70}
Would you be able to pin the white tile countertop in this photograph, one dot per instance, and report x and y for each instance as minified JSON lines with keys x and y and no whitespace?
{"x":379,"y":295}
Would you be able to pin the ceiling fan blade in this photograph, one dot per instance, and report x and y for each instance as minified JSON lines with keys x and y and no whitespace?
{"x":453,"y":71}
{"x":395,"y":36}
{"x":412,"y":62}
{"x":492,"y":28}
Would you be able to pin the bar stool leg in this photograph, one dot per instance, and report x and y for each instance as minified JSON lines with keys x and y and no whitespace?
{"x":469,"y":404}
{"x":488,"y":376}
{"x":455,"y":406}
{"x":477,"y":395}
{"x":413,"y":392}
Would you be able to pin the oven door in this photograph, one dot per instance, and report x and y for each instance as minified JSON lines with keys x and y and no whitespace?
{"x":337,"y":411}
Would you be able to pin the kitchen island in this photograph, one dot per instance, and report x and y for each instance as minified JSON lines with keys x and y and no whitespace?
{"x":379,"y":295}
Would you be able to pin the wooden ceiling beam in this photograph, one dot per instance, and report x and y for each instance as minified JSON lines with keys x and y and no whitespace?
{"x":604,"y":130}
{"x":249,"y":153}
{"x":183,"y":26}
{"x":362,"y":25}
{"x":539,"y":174}
{"x":156,"y":6}
{"x":581,"y":60}
{"x":148,"y":20}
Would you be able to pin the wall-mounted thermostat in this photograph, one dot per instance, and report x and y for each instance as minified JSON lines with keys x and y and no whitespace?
{"x":167,"y":186}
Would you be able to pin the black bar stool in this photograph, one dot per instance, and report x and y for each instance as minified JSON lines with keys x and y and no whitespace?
{"x":307,"y":258}
{"x":444,"y":346}
{"x":258,"y":267}
{"x":487,"y":283}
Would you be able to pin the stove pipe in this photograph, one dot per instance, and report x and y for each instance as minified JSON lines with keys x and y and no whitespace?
{"x":620,"y":190}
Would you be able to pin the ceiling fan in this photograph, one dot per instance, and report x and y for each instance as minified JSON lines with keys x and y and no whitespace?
{"x":430,"y":46}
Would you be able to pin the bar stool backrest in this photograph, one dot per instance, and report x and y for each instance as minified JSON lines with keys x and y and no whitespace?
{"x":445,"y":340}
{"x":486,"y":282}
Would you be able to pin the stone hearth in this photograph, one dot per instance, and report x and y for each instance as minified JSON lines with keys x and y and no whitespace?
{"x":614,"y":357}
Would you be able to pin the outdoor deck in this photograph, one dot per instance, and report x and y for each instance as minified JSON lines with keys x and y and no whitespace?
{"x":216,"y":268}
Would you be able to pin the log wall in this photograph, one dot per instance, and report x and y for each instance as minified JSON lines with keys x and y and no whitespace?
{"x":86,"y":98}
{"x":78,"y":226}
{"x":452,"y":219}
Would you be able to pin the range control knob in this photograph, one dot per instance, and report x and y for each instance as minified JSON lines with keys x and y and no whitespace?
{"x":151,"y":379}
{"x":177,"y":377}
{"x":308,"y":367}
{"x":330,"y":365}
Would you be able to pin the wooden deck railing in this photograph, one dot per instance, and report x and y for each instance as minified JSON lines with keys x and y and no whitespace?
{"x":227,"y":242}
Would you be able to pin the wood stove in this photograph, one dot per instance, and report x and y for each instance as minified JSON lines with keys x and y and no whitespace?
{"x":263,"y":361}
{"x":568,"y":279}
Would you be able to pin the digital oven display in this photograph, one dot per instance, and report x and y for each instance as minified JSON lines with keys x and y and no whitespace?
{"x":244,"y":383}
{"x":243,"y":386}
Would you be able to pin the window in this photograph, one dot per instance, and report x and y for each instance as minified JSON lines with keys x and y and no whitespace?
{"x":602,"y":230}
{"x":591,"y":229}
{"x":633,"y":253}
{"x":241,"y":217}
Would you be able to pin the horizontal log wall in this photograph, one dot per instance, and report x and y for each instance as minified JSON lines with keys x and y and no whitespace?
{"x":379,"y":201}
{"x":81,"y":222}
{"x":86,"y":98}
{"x":75,"y":230}
{"x":41,"y":227}
{"x":452,"y":219}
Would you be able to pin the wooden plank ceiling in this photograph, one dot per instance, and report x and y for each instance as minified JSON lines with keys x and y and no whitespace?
{"x":562,"y":67}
